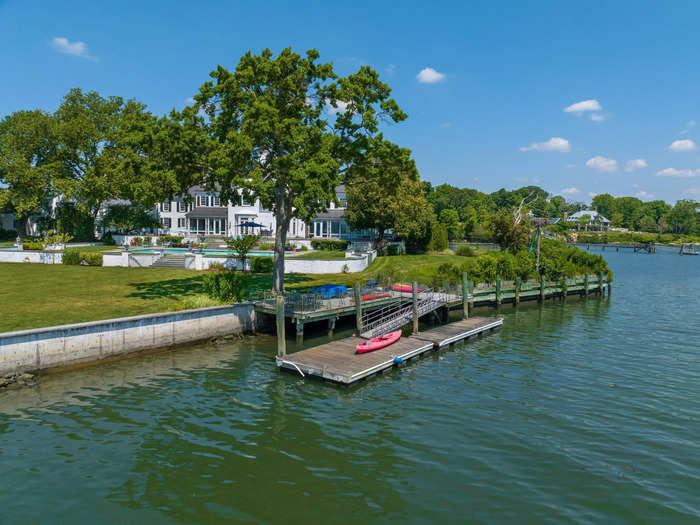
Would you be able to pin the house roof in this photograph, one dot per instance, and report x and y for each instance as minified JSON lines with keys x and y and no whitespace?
{"x":336,"y":213}
{"x":201,"y":212}
{"x":594,"y":215}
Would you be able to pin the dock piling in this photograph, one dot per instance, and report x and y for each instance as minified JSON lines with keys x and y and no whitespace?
{"x":358,"y":309}
{"x":516,"y":298}
{"x":542,"y":283}
{"x":465,"y":296}
{"x":281,"y":343}
{"x":300,"y":332}
{"x":415,"y":307}
{"x":585,"y":285}
{"x":498,"y":291}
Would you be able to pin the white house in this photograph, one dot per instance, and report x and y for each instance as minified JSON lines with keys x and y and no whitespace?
{"x":207,"y":215}
{"x":595,"y":220}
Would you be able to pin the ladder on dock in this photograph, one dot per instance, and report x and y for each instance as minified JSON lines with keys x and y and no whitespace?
{"x":394,"y":316}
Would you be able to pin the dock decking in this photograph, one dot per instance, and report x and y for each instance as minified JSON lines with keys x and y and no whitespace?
{"x":337,"y":361}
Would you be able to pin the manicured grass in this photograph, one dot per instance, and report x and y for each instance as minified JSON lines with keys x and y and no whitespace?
{"x":7,"y":243}
{"x":38,"y":295}
{"x":321,"y":255}
{"x":93,"y":249}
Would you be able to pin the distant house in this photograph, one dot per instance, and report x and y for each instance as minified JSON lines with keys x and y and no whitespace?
{"x":589,"y":220}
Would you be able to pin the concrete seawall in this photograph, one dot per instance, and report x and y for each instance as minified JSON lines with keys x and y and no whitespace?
{"x":56,"y":346}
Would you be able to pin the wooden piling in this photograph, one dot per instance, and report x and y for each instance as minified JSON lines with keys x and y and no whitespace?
{"x":300,"y":332}
{"x":281,"y":343}
{"x":465,"y":296}
{"x":600,"y":283}
{"x":518,"y":284}
{"x":415,"y":307}
{"x":498,"y":291}
{"x":358,"y":309}
{"x":542,"y":283}
{"x":331,"y":326}
{"x":585,"y":285}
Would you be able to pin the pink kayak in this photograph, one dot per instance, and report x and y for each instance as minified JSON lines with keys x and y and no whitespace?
{"x":378,"y":342}
{"x":403,"y":288}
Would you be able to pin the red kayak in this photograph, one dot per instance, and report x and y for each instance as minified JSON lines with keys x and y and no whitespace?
{"x":378,"y":342}
{"x":372,"y":296}
{"x":403,"y":288}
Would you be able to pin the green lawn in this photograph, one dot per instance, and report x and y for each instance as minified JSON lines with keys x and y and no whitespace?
{"x":7,"y":243}
{"x":37,"y":295}
{"x":321,"y":255}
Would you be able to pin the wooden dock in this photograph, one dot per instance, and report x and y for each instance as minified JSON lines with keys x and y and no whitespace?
{"x":337,"y":361}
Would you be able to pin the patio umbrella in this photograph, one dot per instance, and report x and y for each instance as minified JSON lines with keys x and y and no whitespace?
{"x":249,"y":224}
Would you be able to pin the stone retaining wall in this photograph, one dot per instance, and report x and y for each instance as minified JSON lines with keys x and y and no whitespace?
{"x":56,"y":346}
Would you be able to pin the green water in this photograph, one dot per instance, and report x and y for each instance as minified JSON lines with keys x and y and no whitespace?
{"x":583,"y":412}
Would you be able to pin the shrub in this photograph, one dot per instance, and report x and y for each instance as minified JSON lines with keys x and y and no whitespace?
{"x":108,"y":240}
{"x":215,"y":267}
{"x":393,"y":249}
{"x":91,"y":258}
{"x":304,"y":248}
{"x":137,"y":241}
{"x":261,"y":264}
{"x":228,"y":287}
{"x":438,"y":238}
{"x":466,"y":251}
{"x":329,"y":244}
{"x":176,"y":242}
{"x":33,"y":245}
{"x":264,"y":246}
{"x":197,"y":301}
{"x":71,"y":257}
{"x":148,"y":240}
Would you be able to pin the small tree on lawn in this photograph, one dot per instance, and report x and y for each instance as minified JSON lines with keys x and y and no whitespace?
{"x":242,"y":245}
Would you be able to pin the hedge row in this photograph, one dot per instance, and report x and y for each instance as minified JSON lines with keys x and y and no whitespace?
{"x":75,"y":257}
{"x":329,"y":244}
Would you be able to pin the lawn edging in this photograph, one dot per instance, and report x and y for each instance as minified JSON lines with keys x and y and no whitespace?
{"x":65,"y":345}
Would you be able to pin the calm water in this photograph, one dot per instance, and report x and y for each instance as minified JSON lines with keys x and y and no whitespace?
{"x":582,"y":412}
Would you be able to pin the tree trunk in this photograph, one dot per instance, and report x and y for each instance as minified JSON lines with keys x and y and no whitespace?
{"x":282,"y":219}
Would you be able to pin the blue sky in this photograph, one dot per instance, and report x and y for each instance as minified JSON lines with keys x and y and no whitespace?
{"x":498,"y":77}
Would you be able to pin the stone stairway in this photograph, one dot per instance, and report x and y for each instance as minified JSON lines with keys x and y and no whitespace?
{"x":171,"y":260}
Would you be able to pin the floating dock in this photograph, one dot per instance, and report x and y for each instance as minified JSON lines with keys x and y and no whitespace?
{"x":337,"y":361}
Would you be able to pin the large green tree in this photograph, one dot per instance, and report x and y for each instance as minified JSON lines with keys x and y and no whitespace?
{"x":27,"y":163}
{"x":284,"y":129}
{"x":105,"y":151}
{"x":376,"y":190}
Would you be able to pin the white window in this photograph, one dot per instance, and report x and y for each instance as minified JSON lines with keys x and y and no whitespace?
{"x":201,"y":199}
{"x":181,"y":223}
{"x":165,"y":206}
{"x":217,"y":201}
{"x":167,"y":222}
{"x":181,"y":206}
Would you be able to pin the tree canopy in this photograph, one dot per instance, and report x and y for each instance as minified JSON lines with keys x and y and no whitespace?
{"x":284,"y":129}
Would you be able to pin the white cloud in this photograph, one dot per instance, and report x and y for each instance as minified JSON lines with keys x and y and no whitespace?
{"x":553,"y":144}
{"x":693,"y":191}
{"x":597,"y":117}
{"x":688,"y":126}
{"x":683,"y":145}
{"x":520,"y":179}
{"x":429,"y":76}
{"x":569,"y":166}
{"x":635,"y":185}
{"x":635,"y":164}
{"x":570,"y":191}
{"x":673,"y":172}
{"x":390,"y":68}
{"x":342,"y":107}
{"x":579,"y":108}
{"x":63,"y":45}
{"x":592,"y":194}
{"x":602,"y":164}
{"x":190,"y":101}
{"x":644,"y":195}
